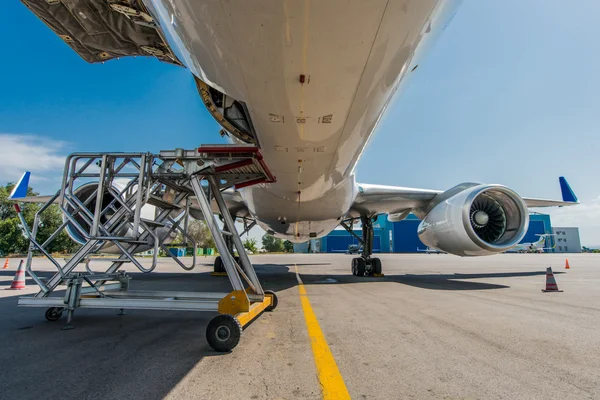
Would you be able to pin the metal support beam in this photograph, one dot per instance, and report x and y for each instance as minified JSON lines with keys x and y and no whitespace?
{"x":235,"y":237}
{"x":350,"y":231}
{"x":247,"y":227}
{"x":367,"y":234}
{"x":209,"y":217}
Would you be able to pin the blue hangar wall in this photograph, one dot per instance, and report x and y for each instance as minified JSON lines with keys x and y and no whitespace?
{"x":401,"y":237}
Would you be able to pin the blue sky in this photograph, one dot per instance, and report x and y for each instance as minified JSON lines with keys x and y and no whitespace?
{"x":509,"y":94}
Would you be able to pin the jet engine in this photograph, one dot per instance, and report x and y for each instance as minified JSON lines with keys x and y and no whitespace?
{"x":86,"y":194}
{"x":475,"y":221}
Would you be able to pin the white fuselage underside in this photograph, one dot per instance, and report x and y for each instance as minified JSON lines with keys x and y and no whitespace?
{"x":353,"y":54}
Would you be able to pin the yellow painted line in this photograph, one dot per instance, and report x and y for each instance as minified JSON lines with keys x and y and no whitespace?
{"x":329,"y":375}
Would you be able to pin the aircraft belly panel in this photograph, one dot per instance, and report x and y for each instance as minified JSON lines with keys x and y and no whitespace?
{"x":315,"y":77}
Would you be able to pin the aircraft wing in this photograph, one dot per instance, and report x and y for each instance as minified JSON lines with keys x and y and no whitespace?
{"x":393,"y":200}
{"x":235,"y":204}
{"x":19,"y":192}
{"x":568,"y":197}
{"x":399,"y":201}
{"x":531,"y":203}
{"x":232,"y":198}
{"x":34,"y":199}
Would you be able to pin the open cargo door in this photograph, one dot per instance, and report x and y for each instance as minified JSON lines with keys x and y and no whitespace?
{"x":100,"y":30}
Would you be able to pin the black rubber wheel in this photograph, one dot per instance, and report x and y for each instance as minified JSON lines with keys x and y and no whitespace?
{"x":219,"y":265}
{"x":355,"y":266}
{"x":360,"y":267}
{"x":53,"y":313}
{"x":223,"y":332}
{"x":275,"y":301}
{"x":376,"y":266}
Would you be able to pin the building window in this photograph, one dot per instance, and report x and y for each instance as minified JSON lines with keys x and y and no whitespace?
{"x":566,"y":248}
{"x":559,"y":248}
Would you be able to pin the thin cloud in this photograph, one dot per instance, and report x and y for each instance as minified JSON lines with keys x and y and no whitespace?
{"x":42,"y":156}
{"x":585,"y":216}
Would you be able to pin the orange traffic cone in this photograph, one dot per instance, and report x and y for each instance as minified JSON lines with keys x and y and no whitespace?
{"x":18,"y":282}
{"x":5,"y":264}
{"x":551,"y":285}
{"x":567,"y":264}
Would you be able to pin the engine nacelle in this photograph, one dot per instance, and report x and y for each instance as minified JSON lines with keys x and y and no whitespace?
{"x":477,"y":221}
{"x":148,"y":212}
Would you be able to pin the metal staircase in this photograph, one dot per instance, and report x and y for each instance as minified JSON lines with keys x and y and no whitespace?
{"x":131,"y":202}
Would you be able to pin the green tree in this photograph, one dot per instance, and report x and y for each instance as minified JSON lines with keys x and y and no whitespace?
{"x":199,"y":232}
{"x":288,"y":246}
{"x":12,"y":239}
{"x":272,"y":244}
{"x":250,"y":245}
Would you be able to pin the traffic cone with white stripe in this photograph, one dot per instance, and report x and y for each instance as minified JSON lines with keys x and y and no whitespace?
{"x":5,"y":264}
{"x":551,"y":285}
{"x":18,"y":282}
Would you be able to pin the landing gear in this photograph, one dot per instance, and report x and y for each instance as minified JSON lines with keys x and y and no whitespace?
{"x":365,"y":265}
{"x":218,"y":266}
{"x":358,"y":267}
{"x":376,"y":266}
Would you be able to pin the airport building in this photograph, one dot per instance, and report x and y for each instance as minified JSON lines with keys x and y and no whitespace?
{"x":401,"y":237}
{"x":566,"y":240}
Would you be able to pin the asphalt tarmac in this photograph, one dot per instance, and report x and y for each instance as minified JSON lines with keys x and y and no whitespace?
{"x":435,"y":327}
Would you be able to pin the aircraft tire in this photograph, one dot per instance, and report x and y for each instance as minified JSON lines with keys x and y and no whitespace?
{"x":218,"y":266}
{"x":376,"y":266}
{"x":360,"y":267}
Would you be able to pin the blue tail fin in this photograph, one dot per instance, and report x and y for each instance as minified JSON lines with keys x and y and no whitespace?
{"x":567,"y":192}
{"x":20,"y":189}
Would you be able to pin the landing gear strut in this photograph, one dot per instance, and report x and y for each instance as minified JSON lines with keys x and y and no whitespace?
{"x":365,"y":265}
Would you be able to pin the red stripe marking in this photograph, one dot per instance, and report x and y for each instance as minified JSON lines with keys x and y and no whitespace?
{"x":267,"y":171}
{"x":250,"y":183}
{"x":226,"y":149}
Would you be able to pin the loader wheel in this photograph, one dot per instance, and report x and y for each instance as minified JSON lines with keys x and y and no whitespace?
{"x":54,"y":313}
{"x":223,"y":332}
{"x":274,"y":300}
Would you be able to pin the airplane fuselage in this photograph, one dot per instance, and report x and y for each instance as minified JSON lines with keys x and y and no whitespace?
{"x":316,"y":77}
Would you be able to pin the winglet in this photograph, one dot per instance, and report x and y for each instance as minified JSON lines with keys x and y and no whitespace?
{"x":567,"y":192}
{"x":20,"y":189}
